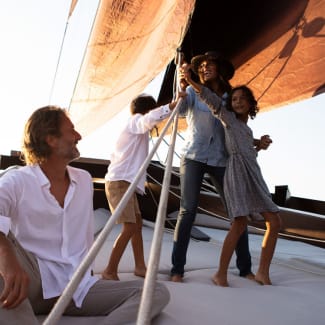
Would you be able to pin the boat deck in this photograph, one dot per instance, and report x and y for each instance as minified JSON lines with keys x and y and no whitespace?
{"x":296,"y":296}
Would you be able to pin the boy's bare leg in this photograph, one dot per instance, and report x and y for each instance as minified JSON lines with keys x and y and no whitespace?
{"x":137,"y":246}
{"x":110,"y":272}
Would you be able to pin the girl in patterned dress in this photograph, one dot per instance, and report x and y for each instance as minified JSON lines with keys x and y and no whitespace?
{"x":246,"y":192}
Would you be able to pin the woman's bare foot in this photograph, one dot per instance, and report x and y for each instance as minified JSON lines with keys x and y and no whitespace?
{"x":250,"y":276}
{"x":140,"y":272}
{"x":110,"y":276}
{"x":176,"y":278}
{"x":262,"y":280}
{"x":220,"y":281}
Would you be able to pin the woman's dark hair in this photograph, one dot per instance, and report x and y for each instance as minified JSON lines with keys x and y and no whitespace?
{"x":43,"y":122}
{"x":250,"y":97}
{"x":142,"y":104}
{"x":224,"y":84}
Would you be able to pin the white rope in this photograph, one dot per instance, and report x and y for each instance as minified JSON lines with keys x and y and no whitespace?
{"x":67,"y":294}
{"x":144,"y":316}
{"x":209,"y":212}
{"x":59,"y":60}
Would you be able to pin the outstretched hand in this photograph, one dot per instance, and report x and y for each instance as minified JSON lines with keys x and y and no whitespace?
{"x":186,"y":78}
{"x":180,"y":94}
{"x":184,"y":75}
{"x":182,"y":84}
{"x":264,"y":142}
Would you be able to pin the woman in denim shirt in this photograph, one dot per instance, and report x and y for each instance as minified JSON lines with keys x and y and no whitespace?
{"x":204,"y":152}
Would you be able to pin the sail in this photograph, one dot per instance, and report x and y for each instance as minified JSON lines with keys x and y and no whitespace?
{"x":290,"y":68}
{"x":277,"y":48}
{"x":72,"y":6}
{"x":131,"y":42}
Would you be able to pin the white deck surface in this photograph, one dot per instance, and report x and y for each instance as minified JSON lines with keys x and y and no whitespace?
{"x":296,"y":297}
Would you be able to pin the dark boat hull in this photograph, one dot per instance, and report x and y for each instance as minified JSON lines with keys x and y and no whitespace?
{"x":302,"y":219}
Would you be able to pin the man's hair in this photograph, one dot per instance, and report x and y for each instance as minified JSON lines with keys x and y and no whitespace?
{"x":142,"y":104}
{"x":43,"y":122}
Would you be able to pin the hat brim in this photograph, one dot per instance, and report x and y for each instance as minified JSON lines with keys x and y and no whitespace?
{"x":196,"y":61}
{"x":225,"y":67}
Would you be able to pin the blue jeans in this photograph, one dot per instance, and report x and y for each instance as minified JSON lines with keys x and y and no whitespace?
{"x":192,"y":173}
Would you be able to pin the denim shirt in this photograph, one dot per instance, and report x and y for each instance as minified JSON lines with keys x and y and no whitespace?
{"x":205,"y":138}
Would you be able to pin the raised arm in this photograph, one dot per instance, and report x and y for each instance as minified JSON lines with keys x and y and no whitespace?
{"x":180,"y":94}
{"x":211,"y":99}
{"x":186,"y":79}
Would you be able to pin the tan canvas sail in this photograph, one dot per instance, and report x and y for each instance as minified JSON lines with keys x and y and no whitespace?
{"x":131,"y":42}
{"x":282,"y":59}
{"x":278,"y":48}
{"x":72,"y":6}
{"x":291,"y":67}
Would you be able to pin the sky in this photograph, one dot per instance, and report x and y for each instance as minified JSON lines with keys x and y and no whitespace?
{"x":31,"y":34}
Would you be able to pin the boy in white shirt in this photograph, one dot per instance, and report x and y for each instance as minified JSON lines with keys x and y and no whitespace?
{"x":130,"y":152}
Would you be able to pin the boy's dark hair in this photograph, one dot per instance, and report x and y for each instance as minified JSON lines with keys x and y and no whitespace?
{"x":250,"y":97}
{"x":142,"y":104}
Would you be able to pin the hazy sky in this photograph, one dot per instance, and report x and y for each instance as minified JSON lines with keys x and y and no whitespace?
{"x":31,"y":34}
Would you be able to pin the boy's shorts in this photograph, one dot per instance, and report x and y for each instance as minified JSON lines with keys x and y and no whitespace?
{"x":114,"y":193}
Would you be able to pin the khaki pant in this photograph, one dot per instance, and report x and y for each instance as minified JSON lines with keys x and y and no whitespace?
{"x":117,"y":300}
{"x":115,"y":191}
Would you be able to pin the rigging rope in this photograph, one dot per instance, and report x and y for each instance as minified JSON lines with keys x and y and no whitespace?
{"x":209,"y":212}
{"x":84,"y":55}
{"x":154,"y":257}
{"x":71,"y":9}
{"x":59,"y":59}
{"x":144,"y":317}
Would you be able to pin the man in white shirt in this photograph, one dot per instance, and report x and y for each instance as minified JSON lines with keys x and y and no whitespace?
{"x":46,"y":229}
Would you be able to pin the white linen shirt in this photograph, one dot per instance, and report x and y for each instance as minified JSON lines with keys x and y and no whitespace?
{"x":132,"y":146}
{"x":58,"y":237}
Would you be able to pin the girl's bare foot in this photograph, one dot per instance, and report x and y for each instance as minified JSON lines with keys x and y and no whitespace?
{"x":140,"y":272}
{"x":110,"y":276}
{"x":262,"y":280}
{"x":220,"y":281}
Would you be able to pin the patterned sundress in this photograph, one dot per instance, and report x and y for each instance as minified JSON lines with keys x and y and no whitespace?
{"x":246,"y":192}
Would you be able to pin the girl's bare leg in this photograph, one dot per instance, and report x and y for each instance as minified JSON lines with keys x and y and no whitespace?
{"x":273,"y":225}
{"x":110,"y":272}
{"x":137,"y":246}
{"x":237,"y":228}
